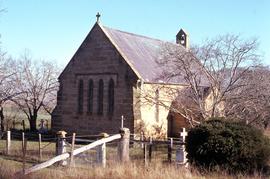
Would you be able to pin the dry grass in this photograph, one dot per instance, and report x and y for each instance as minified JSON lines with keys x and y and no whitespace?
{"x":135,"y":169}
{"x":32,"y":151}
{"x":113,"y":171}
{"x":128,"y":170}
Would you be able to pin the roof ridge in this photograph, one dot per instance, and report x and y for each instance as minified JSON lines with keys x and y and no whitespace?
{"x":139,"y":35}
{"x":140,"y":52}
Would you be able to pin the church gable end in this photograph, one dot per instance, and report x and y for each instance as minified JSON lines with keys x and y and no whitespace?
{"x":94,"y":89}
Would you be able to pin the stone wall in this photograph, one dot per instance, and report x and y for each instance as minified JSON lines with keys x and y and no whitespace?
{"x":95,"y":59}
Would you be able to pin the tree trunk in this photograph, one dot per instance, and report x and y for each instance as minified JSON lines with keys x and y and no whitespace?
{"x":33,"y":123}
{"x":2,"y":119}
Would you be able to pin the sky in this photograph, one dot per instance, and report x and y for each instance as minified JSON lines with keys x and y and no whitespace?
{"x":54,"y":29}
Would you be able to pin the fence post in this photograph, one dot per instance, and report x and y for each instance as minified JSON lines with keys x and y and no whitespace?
{"x":61,"y":145}
{"x":39,"y":147}
{"x":101,"y":151}
{"x":22,"y":142}
{"x":101,"y":154}
{"x":71,"y":163}
{"x":123,"y":145}
{"x":170,"y":146}
{"x":150,"y":148}
{"x":24,"y":153}
{"x":145,"y":154}
{"x":8,"y":142}
{"x":142,"y":142}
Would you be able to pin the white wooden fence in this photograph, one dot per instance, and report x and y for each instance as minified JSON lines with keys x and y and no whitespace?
{"x":123,"y":152}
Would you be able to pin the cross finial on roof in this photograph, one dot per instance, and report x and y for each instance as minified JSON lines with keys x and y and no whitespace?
{"x":98,"y":16}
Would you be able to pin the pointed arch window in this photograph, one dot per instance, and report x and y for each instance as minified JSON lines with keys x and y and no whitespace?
{"x":100,"y":96}
{"x":90,"y":96}
{"x":80,"y":97}
{"x":111,"y":97}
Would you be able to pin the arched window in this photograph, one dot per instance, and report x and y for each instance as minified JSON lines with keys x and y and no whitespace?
{"x":100,"y":97}
{"x":157,"y":105}
{"x":111,"y":97}
{"x":80,"y":97}
{"x":90,"y":96}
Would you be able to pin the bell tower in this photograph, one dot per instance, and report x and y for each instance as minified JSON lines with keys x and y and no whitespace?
{"x":182,"y":38}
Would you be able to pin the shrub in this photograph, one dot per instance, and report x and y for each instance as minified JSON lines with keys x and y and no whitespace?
{"x":235,"y":147}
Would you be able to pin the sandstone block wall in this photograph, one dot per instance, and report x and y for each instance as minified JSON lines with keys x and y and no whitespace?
{"x":95,"y":59}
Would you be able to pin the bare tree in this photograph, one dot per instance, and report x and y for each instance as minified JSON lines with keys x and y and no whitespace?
{"x":251,"y":102}
{"x":38,"y":82}
{"x":210,"y":71}
{"x":7,"y":84}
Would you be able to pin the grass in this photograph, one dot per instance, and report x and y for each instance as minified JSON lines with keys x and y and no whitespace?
{"x":13,"y":162}
{"x":32,"y":156}
{"x":131,"y":170}
{"x":113,"y":170}
{"x":158,"y":168}
{"x":15,"y":116}
{"x":9,"y":165}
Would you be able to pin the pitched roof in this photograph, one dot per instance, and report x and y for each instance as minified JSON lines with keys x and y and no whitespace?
{"x":140,"y":52}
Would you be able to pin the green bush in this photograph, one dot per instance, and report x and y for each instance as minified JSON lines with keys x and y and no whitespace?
{"x":231,"y":146}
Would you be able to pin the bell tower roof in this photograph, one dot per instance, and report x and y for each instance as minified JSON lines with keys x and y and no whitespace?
{"x":182,"y":38}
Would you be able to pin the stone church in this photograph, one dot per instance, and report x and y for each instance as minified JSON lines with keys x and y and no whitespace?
{"x":106,"y":79}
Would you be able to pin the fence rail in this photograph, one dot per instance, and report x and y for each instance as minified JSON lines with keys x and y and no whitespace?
{"x":147,"y":145}
{"x":74,"y":152}
{"x":65,"y":156}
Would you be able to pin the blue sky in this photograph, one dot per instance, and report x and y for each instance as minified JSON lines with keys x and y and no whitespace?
{"x":54,"y":29}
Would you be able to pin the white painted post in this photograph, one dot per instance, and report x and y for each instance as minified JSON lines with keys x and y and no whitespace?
{"x":170,"y":146}
{"x":101,"y":155}
{"x":122,"y":122}
{"x":23,"y":141}
{"x":123,"y":145}
{"x":71,"y":162}
{"x":61,"y":145}
{"x":23,"y":151}
{"x":101,"y":152}
{"x":39,"y":147}
{"x":142,"y":140}
{"x":181,"y":152}
{"x":8,"y":142}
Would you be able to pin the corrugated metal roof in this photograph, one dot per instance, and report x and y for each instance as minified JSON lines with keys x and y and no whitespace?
{"x":140,"y":51}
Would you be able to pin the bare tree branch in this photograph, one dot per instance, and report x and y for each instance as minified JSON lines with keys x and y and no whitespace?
{"x":38,"y":83}
{"x":211,"y":73}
